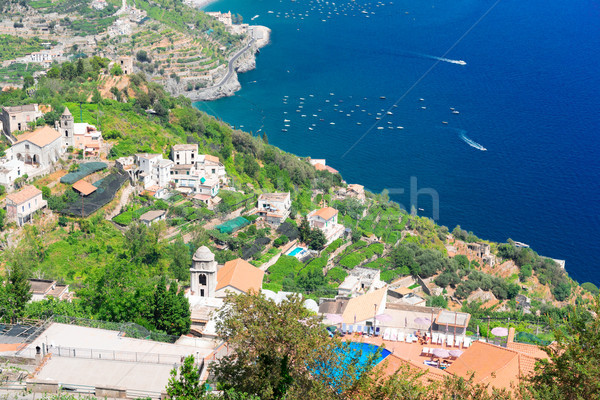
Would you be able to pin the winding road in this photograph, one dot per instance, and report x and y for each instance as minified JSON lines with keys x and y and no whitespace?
{"x":232,"y":61}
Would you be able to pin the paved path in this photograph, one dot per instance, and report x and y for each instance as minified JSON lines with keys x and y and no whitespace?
{"x":232,"y":61}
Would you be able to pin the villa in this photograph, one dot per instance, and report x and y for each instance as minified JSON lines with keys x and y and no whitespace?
{"x":274,"y":207}
{"x":21,"y":206}
{"x":18,"y":118}
{"x":325,"y":219}
{"x":42,"y":147}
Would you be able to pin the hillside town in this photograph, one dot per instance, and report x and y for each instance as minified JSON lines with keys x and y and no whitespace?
{"x":366,"y":307}
{"x":151,"y":251}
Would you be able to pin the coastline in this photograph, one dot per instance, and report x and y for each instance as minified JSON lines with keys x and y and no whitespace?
{"x":227,"y":82}
{"x":201,"y":4}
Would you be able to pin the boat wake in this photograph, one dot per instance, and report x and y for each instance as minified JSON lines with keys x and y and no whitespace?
{"x":471,"y":142}
{"x":448,"y":60}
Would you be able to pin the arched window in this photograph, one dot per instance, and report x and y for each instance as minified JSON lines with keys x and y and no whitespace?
{"x":202,"y":279}
{"x":66,"y":133}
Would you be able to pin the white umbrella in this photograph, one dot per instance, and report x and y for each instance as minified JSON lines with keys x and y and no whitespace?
{"x":335,"y":318}
{"x":384,"y":318}
{"x":455,"y":353}
{"x":441,"y":353}
{"x":500,"y":331}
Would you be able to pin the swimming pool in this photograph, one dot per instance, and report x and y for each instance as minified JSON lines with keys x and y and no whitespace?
{"x":295,"y":252}
{"x":352,"y":358}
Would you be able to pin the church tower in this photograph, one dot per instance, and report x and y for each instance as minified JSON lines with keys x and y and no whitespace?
{"x":203,"y":274}
{"x":66,"y":127}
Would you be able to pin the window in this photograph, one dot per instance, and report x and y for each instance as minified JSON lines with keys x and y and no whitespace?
{"x":26,"y":147}
{"x":213,"y":171}
{"x":177,"y":156}
{"x":67,"y":133}
{"x":202,"y":279}
{"x":201,"y":292}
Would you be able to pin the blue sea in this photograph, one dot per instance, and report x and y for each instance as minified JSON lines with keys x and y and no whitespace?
{"x":509,"y":142}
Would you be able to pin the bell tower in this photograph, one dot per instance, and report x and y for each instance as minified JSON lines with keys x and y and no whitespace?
{"x":203,"y":274}
{"x":66,"y":127}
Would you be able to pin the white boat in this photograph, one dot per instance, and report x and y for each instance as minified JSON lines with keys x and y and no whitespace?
{"x":389,"y":113}
{"x":332,"y":123}
{"x":455,"y":112}
{"x":445,"y":122}
{"x":256,"y":16}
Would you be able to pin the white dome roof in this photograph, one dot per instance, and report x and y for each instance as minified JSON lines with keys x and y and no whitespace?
{"x":204,"y":254}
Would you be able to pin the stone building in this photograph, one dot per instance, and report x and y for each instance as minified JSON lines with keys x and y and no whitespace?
{"x":203,"y":274}
{"x":17,"y":118}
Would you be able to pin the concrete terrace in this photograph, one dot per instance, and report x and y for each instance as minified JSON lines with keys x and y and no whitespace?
{"x":97,"y":357}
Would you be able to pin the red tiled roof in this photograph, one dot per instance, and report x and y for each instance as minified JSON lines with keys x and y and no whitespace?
{"x":40,"y":137}
{"x":85,"y":188}
{"x":241,"y":275}
{"x":28,"y":192}
{"x":326,"y":213}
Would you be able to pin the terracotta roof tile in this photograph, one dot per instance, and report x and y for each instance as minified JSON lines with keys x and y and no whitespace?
{"x":83,"y":187}
{"x":40,"y":137}
{"x":28,"y":192}
{"x":241,"y":275}
{"x":361,"y":308}
{"x":326,"y":213}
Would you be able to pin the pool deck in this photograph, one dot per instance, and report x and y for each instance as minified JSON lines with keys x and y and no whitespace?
{"x":406,"y":351}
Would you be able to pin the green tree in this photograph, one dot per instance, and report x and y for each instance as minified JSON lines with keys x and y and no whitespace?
{"x":572,"y":370}
{"x":116,"y":70}
{"x":316,"y":239}
{"x":304,"y":230}
{"x":185,"y":384}
{"x":15,"y":293}
{"x":28,"y":81}
{"x":80,"y":69}
{"x":181,"y":260}
{"x":96,"y":97}
{"x":278,"y":362}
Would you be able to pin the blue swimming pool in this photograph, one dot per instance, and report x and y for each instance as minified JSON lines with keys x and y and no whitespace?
{"x":352,"y":358}
{"x":295,"y":252}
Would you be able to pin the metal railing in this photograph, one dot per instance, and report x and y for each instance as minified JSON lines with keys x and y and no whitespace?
{"x":109,"y":355}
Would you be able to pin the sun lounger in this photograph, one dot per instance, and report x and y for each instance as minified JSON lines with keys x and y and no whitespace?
{"x":441,"y":339}
{"x":434,"y":338}
{"x":387,"y":333}
{"x":371,"y":331}
{"x":351,"y":329}
{"x":344,"y":329}
{"x":401,"y":336}
{"x":466,"y":342}
{"x":425,"y":351}
{"x":458,"y":341}
{"x":394,"y":336}
{"x":377,"y":331}
{"x":450,"y":340}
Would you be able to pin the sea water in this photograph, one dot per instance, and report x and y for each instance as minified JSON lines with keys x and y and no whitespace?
{"x":345,"y":80}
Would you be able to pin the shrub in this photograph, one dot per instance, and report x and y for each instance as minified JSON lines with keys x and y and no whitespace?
{"x":590,"y":287}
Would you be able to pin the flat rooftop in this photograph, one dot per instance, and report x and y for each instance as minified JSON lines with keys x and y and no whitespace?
{"x":105,"y":358}
{"x":74,"y":336}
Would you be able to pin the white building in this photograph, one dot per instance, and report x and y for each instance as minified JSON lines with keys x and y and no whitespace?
{"x":184,"y":154}
{"x":18,"y":118}
{"x":42,"y":147}
{"x":211,"y":167}
{"x":153,"y":169}
{"x":153,"y":216}
{"x":274,"y":207}
{"x":10,"y":170}
{"x":82,"y":136}
{"x":325,"y":219}
{"x":21,"y":205}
